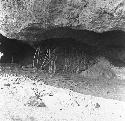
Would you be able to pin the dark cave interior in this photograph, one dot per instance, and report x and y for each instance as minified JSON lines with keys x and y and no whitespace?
{"x":108,"y":43}
{"x":14,"y":50}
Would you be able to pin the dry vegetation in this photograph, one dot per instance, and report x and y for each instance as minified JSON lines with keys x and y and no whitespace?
{"x":53,"y":62}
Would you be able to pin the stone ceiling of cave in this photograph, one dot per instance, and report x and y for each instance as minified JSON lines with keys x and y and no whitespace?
{"x":23,"y":19}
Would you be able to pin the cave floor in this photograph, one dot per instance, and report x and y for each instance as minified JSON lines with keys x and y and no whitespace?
{"x":30,"y":94}
{"x":101,"y":80}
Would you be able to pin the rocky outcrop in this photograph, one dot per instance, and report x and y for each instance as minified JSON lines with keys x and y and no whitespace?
{"x":29,"y":19}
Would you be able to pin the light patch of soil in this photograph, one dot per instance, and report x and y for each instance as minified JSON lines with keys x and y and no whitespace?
{"x":29,"y":94}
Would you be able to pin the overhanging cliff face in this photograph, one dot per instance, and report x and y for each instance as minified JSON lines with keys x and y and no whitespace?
{"x":32,"y":20}
{"x":95,"y":22}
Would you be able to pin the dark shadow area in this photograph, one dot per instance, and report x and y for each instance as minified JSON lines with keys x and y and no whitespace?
{"x":67,"y":44}
{"x":115,"y":38}
{"x":77,"y":47}
{"x":67,"y":53}
{"x":114,"y":54}
{"x":14,"y":50}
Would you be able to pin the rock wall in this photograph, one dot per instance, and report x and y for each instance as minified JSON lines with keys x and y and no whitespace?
{"x":22,"y":19}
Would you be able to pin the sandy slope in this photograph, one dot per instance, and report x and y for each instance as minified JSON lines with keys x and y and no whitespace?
{"x":32,"y":95}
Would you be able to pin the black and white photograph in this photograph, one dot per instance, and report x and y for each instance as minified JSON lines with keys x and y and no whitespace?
{"x":62,"y":60}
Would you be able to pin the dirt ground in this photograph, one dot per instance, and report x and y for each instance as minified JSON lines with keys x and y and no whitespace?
{"x":101,"y":80}
{"x":31,"y":94}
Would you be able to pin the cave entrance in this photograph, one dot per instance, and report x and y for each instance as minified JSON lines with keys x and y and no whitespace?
{"x":54,"y":54}
{"x":65,"y":54}
{"x":68,"y":63}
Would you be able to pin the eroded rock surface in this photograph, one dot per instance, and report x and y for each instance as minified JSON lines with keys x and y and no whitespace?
{"x":22,"y":19}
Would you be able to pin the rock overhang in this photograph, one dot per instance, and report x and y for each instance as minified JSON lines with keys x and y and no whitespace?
{"x":34,"y":20}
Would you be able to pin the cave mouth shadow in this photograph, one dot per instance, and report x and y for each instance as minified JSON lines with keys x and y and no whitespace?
{"x":114,"y":54}
{"x":69,"y":55}
{"x":63,"y":51}
{"x":14,"y":51}
{"x":66,"y":53}
{"x":72,"y":48}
